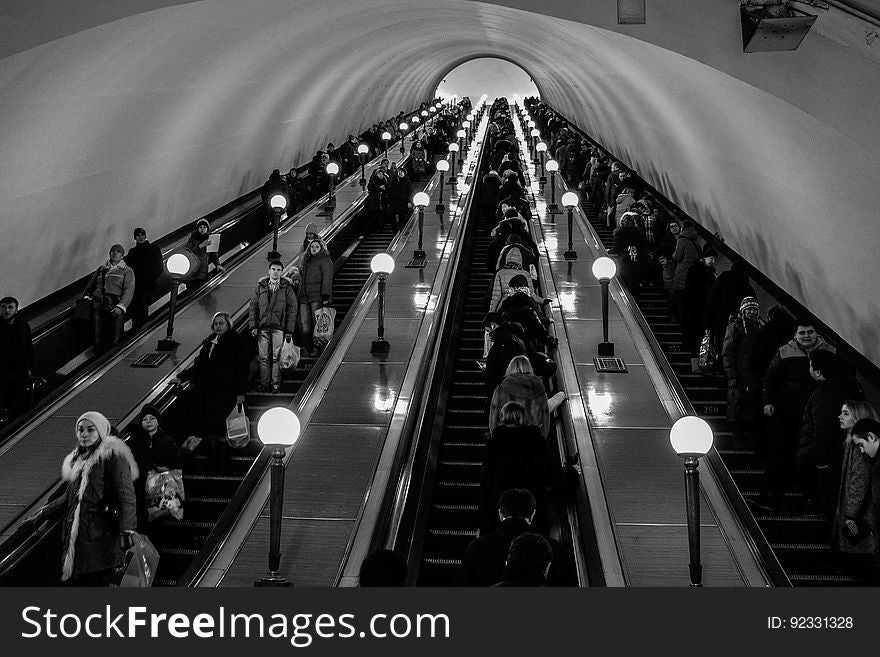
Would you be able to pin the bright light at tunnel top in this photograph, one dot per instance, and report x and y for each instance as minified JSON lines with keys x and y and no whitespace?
{"x":489,"y":77}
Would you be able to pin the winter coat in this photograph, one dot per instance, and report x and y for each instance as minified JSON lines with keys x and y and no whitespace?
{"x":687,"y":252}
{"x":196,"y":239}
{"x":378,"y":191}
{"x":725,"y":296}
{"x":788,"y":383}
{"x":151,"y":452}
{"x":146,"y":262}
{"x":526,"y":312}
{"x":515,"y":457}
{"x":401,"y":197}
{"x":854,"y":501}
{"x":16,"y":349}
{"x":528,"y":390}
{"x":97,"y":479}
{"x":528,"y":257}
{"x":489,"y":194}
{"x":501,"y":284}
{"x":622,"y":203}
{"x":117,"y":282}
{"x":276,"y":311}
{"x":743,"y":383}
{"x":507,"y":342}
{"x":820,"y":428}
{"x":317,"y":278}
{"x":218,"y":376}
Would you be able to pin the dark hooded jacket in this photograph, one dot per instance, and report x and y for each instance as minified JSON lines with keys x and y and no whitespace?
{"x":507,"y":342}
{"x":687,"y":252}
{"x":820,"y":437}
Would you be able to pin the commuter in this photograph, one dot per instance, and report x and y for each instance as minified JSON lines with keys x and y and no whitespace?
{"x":529,"y":257}
{"x":665,"y":250}
{"x":724,"y":300}
{"x":574,"y":162}
{"x":511,"y":172}
{"x":687,"y":253}
{"x":700,"y":279}
{"x":819,"y":434}
{"x":111,"y":289}
{"x":528,"y":561}
{"x":382,"y":568}
{"x":297,"y":191}
{"x":516,"y":456}
{"x":378,"y":195}
{"x":99,"y":507}
{"x":743,"y":382}
{"x":516,"y":199}
{"x":16,"y":358}
{"x":519,"y":306}
{"x":274,"y":184}
{"x":419,"y":166}
{"x":866,"y":436}
{"x":598,"y":180}
{"x":315,"y":291}
{"x":506,"y":340}
{"x":332,"y":155}
{"x":400,"y":205}
{"x":489,"y":194}
{"x":787,"y":387}
{"x":349,"y":156}
{"x":198,"y":244}
{"x":483,"y":561}
{"x":521,"y":385}
{"x":512,"y":221}
{"x":631,"y":249}
{"x":152,"y":449}
{"x":312,"y":234}
{"x":219,"y":378}
{"x":145,"y":260}
{"x":623,"y":203}
{"x":504,"y":279}
{"x":849,"y":535}
{"x":272,"y":319}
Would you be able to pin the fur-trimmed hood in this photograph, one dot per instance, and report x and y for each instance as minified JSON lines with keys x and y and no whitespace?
{"x":111,"y":444}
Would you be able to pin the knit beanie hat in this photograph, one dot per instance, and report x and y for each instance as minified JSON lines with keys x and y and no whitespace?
{"x":102,"y":424}
{"x":748,"y":302}
{"x":312,"y":228}
{"x":149,"y":409}
{"x":203,"y":221}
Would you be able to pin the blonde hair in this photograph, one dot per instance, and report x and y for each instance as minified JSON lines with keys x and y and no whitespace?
{"x":519,"y":365}
{"x":513,"y":414}
{"x":860,"y":410}
{"x":224,"y":315}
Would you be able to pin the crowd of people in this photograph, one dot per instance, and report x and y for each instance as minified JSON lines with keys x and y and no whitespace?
{"x":790,"y":396}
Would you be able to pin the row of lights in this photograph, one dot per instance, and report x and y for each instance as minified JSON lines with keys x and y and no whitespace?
{"x":690,"y":436}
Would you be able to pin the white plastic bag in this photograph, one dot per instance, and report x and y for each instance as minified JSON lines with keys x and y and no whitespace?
{"x":324,"y":318}
{"x":238,"y":428}
{"x":290,"y":355}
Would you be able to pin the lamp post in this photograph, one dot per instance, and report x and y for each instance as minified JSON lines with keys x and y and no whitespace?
{"x":414,"y":122}
{"x":453,"y":149}
{"x":604,"y":269}
{"x":542,"y":148}
{"x":381,"y":264}
{"x":420,"y":200}
{"x":552,"y":167}
{"x":178,"y":265}
{"x":570,"y":201}
{"x":403,"y":127}
{"x":691,"y":438}
{"x":467,"y":131}
{"x":279,"y":429}
{"x":442,"y":167}
{"x":362,"y":154}
{"x":332,"y":170}
{"x":278,"y":202}
{"x":461,"y":135}
{"x":386,"y":137}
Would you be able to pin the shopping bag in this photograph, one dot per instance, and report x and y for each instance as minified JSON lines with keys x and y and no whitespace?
{"x":164,"y":492}
{"x":238,"y":428}
{"x":140,"y":564}
{"x":82,"y":311}
{"x":289,"y":355}
{"x":708,"y":357}
{"x":323,"y":325}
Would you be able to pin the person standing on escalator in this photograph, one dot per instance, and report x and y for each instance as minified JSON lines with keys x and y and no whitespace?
{"x":272,"y":319}
{"x":111,"y":290}
{"x":315,"y":291}
{"x":145,"y":260}
{"x":198,"y":243}
{"x":16,"y":357}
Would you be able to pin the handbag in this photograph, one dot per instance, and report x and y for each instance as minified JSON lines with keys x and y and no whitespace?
{"x":82,"y":311}
{"x":323,"y":325}
{"x":290,"y":354}
{"x":139,"y":566}
{"x":238,"y":428}
{"x":708,"y":357}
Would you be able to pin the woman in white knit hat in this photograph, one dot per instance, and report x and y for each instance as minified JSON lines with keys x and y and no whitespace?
{"x":99,"y":505}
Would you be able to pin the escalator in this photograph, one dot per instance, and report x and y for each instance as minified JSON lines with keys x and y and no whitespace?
{"x":799,"y":541}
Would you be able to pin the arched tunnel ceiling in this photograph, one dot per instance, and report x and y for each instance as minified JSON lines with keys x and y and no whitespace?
{"x":154,"y":112}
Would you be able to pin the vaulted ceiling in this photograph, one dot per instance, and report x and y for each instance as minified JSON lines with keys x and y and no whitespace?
{"x":153,"y":112}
